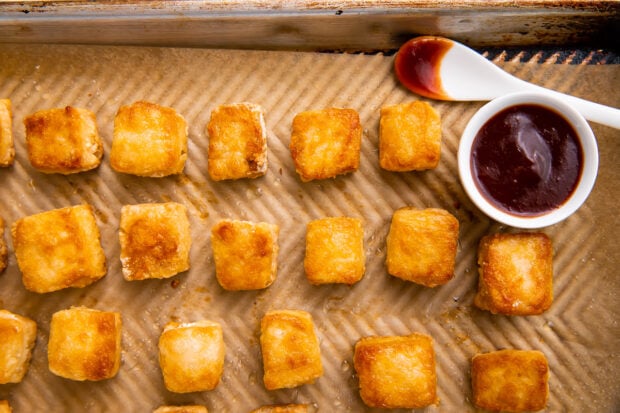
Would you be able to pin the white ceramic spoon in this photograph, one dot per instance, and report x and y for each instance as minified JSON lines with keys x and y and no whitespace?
{"x":441,"y":68}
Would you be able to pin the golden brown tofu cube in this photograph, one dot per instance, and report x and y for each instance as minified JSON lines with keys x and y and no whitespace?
{"x":5,"y":407}
{"x":325,"y":143}
{"x":409,"y":137}
{"x":181,"y":409}
{"x":59,"y":249}
{"x":191,"y":356}
{"x":149,"y":140}
{"x":85,"y":344}
{"x":396,"y":371}
{"x":421,"y":245}
{"x":4,"y":251}
{"x":17,"y":337}
{"x":155,"y":240}
{"x":63,"y":140}
{"x":7,"y":148}
{"x":237,"y":142}
{"x":510,"y":380}
{"x":335,"y":251}
{"x":515,"y":274}
{"x":291,"y":353}
{"x":284,"y":408}
{"x":245,"y":254}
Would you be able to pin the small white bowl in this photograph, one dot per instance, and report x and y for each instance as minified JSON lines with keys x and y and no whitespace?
{"x":584,"y":185}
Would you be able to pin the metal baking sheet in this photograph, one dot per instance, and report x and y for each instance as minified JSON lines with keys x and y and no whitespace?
{"x":579,"y":334}
{"x":292,"y":24}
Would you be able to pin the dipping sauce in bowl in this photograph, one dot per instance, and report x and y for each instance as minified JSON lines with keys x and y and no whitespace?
{"x":528,"y":160}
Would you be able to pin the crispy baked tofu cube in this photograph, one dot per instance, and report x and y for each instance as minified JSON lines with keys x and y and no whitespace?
{"x":245,"y":254}
{"x":237,"y":142}
{"x":17,"y":337}
{"x":181,"y":409}
{"x":59,"y":249}
{"x":510,"y":380}
{"x":283,"y":408}
{"x":515,"y":274}
{"x":155,"y":240}
{"x":409,"y":137}
{"x":63,"y":140}
{"x":325,"y":143}
{"x":4,"y":251}
{"x":291,"y":353}
{"x":5,"y":407}
{"x":335,"y":251}
{"x":421,"y":245}
{"x":396,"y":371}
{"x":7,"y":147}
{"x":85,"y":344}
{"x":191,"y":356}
{"x":149,"y":140}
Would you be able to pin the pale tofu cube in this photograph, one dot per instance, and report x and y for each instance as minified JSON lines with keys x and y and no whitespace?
{"x":335,"y":251}
{"x":155,"y":240}
{"x":396,"y":371}
{"x":510,"y":380}
{"x":7,"y":146}
{"x":245,"y":254}
{"x":515,"y":273}
{"x":58,"y":249}
{"x":422,"y":245}
{"x":409,"y":137}
{"x":237,"y":142}
{"x":326,"y":143}
{"x":63,"y":140}
{"x":290,"y":348}
{"x":17,"y":338}
{"x":149,"y":140}
{"x":85,"y":344}
{"x":191,"y":356}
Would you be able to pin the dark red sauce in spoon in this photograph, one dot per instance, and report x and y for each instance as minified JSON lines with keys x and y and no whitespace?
{"x":527,"y":160}
{"x":417,"y":65}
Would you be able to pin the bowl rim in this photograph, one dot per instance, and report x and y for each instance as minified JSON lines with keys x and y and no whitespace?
{"x":589,"y":168}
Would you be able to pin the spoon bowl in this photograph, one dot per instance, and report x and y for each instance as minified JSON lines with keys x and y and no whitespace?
{"x":440,"y":68}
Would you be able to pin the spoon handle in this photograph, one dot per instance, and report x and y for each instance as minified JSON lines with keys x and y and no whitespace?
{"x":464,"y":80}
{"x":592,"y":111}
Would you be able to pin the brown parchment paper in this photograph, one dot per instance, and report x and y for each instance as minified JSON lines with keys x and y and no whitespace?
{"x":579,"y":334}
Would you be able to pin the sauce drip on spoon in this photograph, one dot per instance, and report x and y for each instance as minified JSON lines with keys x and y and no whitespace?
{"x":417,"y":65}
